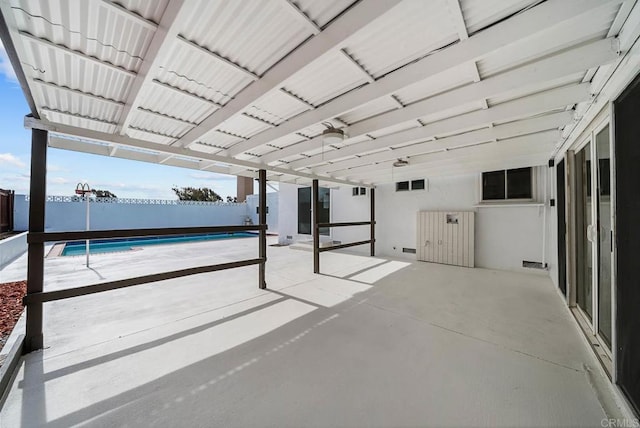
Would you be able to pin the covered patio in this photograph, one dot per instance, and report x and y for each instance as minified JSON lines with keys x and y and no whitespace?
{"x":362,"y":98}
{"x":371,"y":341}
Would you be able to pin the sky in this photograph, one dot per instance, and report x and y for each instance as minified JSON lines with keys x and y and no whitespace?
{"x":125,"y":178}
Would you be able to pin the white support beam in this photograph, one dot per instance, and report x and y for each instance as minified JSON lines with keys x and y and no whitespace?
{"x":332,"y":37}
{"x":114,"y":150}
{"x":515,"y":29}
{"x":499,"y":132}
{"x":59,"y":142}
{"x":521,"y":145}
{"x":553,"y":67}
{"x":301,"y":16}
{"x":524,"y":107}
{"x":156,"y":52}
{"x":458,"y":19}
{"x":237,"y":67}
{"x":32,"y":123}
{"x":77,"y":54}
{"x":531,"y":160}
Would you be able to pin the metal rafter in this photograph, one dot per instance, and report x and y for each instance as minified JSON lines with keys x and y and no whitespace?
{"x":481,"y":44}
{"x":156,"y":52}
{"x":124,"y":140}
{"x":332,"y":37}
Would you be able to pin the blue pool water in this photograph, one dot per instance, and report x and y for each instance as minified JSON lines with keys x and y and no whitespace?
{"x":125,"y":244}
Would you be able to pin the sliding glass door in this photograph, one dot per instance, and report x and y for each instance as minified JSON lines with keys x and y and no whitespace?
{"x":592,"y":196}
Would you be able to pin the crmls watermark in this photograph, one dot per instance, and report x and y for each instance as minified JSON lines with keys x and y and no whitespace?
{"x":620,"y":423}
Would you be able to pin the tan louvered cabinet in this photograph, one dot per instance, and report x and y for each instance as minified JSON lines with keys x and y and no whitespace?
{"x":446,"y":237}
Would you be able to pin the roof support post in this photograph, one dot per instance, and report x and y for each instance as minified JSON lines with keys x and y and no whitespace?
{"x":262,"y":219}
{"x":372,"y":198}
{"x":35,"y":270}
{"x":315,"y":229}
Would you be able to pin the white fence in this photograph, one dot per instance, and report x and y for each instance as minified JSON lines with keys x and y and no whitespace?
{"x":12,"y":248}
{"x":66,"y":213}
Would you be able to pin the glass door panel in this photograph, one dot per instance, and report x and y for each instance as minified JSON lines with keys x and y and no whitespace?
{"x":584,"y":271}
{"x":604,"y":234}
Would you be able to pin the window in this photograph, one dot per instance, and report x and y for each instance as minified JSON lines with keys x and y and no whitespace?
{"x":358,"y":191}
{"x":417,"y":185}
{"x":507,"y":184}
{"x":402,"y":186}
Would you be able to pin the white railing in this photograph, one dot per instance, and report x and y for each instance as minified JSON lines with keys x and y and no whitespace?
{"x":132,"y":201}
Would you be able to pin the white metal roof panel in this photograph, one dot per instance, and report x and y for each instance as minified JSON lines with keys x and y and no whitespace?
{"x":64,"y":100}
{"x":149,"y":136}
{"x":326,"y":78}
{"x":80,"y":122}
{"x":321,"y":12}
{"x":220,"y":139}
{"x":243,"y":126}
{"x":436,"y":84}
{"x":531,"y":89}
{"x":202,"y":74}
{"x":588,"y":27}
{"x":407,"y":32}
{"x":376,"y":107}
{"x":276,"y":107}
{"x":479,"y":14}
{"x":65,"y":69}
{"x":253,"y":34}
{"x":183,"y":106}
{"x":151,"y":10}
{"x":163,"y":125}
{"x":97,"y":29}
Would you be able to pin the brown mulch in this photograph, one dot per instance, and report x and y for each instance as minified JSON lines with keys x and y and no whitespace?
{"x":11,"y":294}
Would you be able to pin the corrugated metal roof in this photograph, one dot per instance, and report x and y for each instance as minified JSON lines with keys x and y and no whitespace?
{"x":151,"y":10}
{"x":479,"y":14}
{"x":526,"y":90}
{"x":65,"y":69}
{"x":80,"y":122}
{"x":181,"y":105}
{"x":219,"y":139}
{"x":153,"y":137}
{"x":321,"y":12}
{"x":326,"y":78}
{"x":253,"y":34}
{"x":436,"y":84}
{"x":201,"y":74}
{"x":276,"y":107}
{"x":243,"y":126}
{"x":587,"y":27}
{"x":381,"y":105}
{"x":96,"y":29}
{"x":163,"y":125}
{"x":407,"y":32}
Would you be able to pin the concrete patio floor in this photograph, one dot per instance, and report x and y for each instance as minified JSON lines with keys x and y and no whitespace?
{"x":371,"y":342}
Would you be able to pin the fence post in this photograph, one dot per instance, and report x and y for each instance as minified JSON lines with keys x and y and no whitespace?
{"x":372,"y":195}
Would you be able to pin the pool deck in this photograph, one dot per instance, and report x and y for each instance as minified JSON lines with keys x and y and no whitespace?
{"x":370,"y":342}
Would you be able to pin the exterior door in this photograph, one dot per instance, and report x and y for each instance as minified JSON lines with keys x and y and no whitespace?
{"x":584,"y":231}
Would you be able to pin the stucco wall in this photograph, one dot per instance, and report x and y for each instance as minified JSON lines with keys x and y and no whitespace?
{"x":504,"y":236}
{"x":62,"y":214}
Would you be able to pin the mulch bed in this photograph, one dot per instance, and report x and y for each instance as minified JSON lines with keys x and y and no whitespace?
{"x":11,"y":294}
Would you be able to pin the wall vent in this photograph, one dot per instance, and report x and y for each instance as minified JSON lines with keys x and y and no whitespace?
{"x":289,"y":237}
{"x":409,"y":250}
{"x":533,"y":265}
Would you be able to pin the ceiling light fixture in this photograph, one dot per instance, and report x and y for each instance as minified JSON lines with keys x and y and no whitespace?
{"x":400,"y":163}
{"x":332,"y":135}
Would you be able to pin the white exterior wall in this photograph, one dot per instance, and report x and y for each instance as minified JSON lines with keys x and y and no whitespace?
{"x":272,"y":214}
{"x":64,"y":215}
{"x":12,"y":248}
{"x":505,"y":235}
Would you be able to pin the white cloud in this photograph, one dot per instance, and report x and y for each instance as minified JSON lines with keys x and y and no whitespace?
{"x":5,"y":65}
{"x":9,"y":159}
{"x":58,"y":180}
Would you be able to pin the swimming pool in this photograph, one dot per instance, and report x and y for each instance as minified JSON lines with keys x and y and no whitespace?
{"x":125,"y":244}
